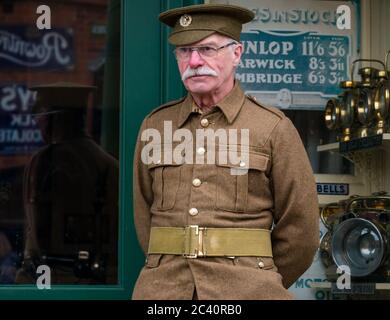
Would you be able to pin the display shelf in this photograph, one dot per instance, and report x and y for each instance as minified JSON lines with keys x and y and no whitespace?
{"x":335,"y":146}
{"x":329,"y":147}
{"x":369,"y":158}
{"x":328,"y":285}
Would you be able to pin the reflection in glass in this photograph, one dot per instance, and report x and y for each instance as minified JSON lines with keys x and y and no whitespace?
{"x":59,"y":142}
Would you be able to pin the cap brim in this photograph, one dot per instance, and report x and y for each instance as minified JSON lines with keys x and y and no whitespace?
{"x":62,"y":85}
{"x":189,"y":36}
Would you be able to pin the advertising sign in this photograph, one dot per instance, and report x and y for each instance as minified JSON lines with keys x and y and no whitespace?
{"x":19,"y":133}
{"x":297,"y":52}
{"x":28,"y":47}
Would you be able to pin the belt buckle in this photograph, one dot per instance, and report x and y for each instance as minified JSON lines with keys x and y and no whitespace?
{"x":195,"y":249}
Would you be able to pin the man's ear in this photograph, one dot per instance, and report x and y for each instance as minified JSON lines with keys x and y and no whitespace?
{"x":237,"y":54}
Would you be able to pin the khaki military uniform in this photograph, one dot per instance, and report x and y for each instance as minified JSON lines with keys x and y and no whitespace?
{"x":71,"y":204}
{"x":277,"y":192}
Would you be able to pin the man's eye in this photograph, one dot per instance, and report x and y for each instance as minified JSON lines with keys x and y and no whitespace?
{"x":183,"y":50}
{"x":206,"y":49}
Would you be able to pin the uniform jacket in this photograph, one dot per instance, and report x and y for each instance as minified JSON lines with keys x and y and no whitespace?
{"x":277,"y":192}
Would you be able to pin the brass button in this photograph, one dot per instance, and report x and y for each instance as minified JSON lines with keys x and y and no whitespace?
{"x":196,"y":182}
{"x":242,"y":164}
{"x":201,"y":151}
{"x":193,"y":211}
{"x":261,"y":264}
{"x":204,"y":123}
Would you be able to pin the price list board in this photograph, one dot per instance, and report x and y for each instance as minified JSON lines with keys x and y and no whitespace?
{"x":296,"y":53}
{"x":308,"y":64}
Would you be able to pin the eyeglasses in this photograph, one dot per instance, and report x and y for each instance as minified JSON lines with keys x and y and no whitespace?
{"x":184,"y":53}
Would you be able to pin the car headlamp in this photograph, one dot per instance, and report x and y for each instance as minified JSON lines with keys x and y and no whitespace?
{"x":360,"y":237}
{"x":348,"y":104}
{"x":332,"y":114}
{"x":382,"y":96}
{"x":365,"y":104}
{"x":358,"y":244}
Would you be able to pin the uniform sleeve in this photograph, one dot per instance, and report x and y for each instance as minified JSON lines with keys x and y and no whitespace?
{"x":295,"y":236}
{"x":31,"y":244}
{"x":142,"y":194}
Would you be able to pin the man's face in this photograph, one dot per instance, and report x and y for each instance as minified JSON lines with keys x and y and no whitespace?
{"x":219,"y":69}
{"x":44,"y":123}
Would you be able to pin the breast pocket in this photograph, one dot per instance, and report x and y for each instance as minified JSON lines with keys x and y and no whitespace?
{"x":166,"y":181}
{"x":243,"y":186}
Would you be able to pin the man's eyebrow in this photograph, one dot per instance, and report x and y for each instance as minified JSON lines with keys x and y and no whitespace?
{"x":208,"y":44}
{"x":212,"y":43}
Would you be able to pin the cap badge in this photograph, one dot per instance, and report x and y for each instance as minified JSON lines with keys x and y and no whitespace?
{"x":185,"y":20}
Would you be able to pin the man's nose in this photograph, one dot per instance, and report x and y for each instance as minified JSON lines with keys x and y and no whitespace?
{"x":195,"y":59}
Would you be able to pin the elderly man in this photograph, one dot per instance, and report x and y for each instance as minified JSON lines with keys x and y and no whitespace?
{"x":241,"y":228}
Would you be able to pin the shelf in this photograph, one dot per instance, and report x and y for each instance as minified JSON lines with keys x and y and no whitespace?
{"x":335,"y":146}
{"x":329,"y":147}
{"x":328,"y":285}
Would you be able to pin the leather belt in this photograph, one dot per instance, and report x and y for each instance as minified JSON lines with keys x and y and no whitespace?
{"x":194,"y":241}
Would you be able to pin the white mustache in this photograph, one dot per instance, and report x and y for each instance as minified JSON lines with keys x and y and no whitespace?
{"x":201,"y":71}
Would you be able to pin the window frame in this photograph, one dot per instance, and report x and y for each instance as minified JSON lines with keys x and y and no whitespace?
{"x":160,"y":77}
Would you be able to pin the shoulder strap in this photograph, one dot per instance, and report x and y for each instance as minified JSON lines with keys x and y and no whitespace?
{"x":168,"y":104}
{"x":274,"y":110}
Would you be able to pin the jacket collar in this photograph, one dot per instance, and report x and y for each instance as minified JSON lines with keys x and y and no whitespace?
{"x":230,"y":105}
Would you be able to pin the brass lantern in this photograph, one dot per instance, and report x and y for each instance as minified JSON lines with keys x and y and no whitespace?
{"x":332,"y":114}
{"x":365,"y":111}
{"x":382,"y":96}
{"x":332,"y":212}
{"x":347,"y":108}
{"x":363,"y":108}
{"x":326,"y":249}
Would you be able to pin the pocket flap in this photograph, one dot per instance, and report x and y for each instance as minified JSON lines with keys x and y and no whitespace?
{"x":257,"y":161}
{"x":161,"y":164}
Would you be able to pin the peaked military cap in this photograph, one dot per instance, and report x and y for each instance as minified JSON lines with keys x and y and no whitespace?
{"x":61,"y":95}
{"x":194,"y":23}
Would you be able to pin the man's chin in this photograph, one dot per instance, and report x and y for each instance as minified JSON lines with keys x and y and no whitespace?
{"x":198,"y":84}
{"x":198,"y":89}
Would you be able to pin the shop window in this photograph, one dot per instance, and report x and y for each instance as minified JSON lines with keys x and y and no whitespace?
{"x":313,"y":132}
{"x":59,"y":142}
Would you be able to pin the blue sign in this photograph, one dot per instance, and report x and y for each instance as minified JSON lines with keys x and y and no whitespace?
{"x":336,"y":189}
{"x":305,"y":63}
{"x":28,"y":47}
{"x":19,"y":133}
{"x":361,"y":143}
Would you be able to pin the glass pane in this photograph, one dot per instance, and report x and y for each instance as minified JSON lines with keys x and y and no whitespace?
{"x":313,"y":132}
{"x":59,"y":138}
